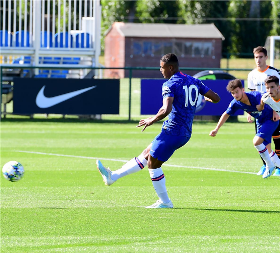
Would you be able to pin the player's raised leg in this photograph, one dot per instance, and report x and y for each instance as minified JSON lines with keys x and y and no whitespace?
{"x":106,"y":173}
{"x":134,"y":165}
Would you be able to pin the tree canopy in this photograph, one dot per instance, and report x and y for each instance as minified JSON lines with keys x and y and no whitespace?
{"x":244,"y":24}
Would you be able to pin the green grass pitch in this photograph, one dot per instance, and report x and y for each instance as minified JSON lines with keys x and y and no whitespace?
{"x":62,"y":205}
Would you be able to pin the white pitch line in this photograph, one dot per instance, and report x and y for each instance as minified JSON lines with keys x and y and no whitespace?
{"x":120,"y":160}
{"x":73,"y":156}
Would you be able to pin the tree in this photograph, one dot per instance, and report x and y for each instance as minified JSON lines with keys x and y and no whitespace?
{"x":249,"y":26}
{"x":116,"y":11}
{"x":155,"y":11}
{"x":275,"y":15}
{"x":244,"y":23}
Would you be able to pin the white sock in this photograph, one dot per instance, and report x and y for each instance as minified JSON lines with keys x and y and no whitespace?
{"x":158,"y":180}
{"x":274,"y":158}
{"x":265,"y":155}
{"x":134,"y":165}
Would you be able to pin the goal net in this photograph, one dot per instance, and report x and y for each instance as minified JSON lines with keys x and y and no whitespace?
{"x":272,"y":45}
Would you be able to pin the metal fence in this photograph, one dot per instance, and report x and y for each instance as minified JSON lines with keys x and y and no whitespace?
{"x":130,"y":101}
{"x":34,"y":33}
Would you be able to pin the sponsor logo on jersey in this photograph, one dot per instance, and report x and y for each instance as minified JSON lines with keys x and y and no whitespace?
{"x":165,"y":90}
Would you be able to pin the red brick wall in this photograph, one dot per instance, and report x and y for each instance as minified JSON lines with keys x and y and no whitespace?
{"x":119,"y":53}
{"x":114,"y":53}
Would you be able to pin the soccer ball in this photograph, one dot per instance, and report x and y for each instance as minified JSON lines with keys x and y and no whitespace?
{"x":13,"y":171}
{"x":201,"y":102}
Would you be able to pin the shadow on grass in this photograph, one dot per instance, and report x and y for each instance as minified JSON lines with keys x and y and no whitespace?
{"x":92,"y":121}
{"x":232,"y":210}
{"x":66,"y":120}
{"x":53,"y":207}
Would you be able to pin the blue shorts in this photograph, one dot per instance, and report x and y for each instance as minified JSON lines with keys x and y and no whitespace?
{"x":164,"y":145}
{"x":266,"y":129}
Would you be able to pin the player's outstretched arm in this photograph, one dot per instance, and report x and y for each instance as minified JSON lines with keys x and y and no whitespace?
{"x":222,"y":120}
{"x":260,"y":107}
{"x":212,"y":96}
{"x":162,"y":113}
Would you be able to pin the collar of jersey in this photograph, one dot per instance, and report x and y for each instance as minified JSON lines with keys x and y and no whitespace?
{"x":275,"y":100}
{"x":264,"y":70}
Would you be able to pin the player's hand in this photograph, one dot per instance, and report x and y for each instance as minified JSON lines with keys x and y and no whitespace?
{"x":213,"y":133}
{"x":275,"y":116}
{"x":145,"y":122}
{"x":249,"y":118}
{"x":208,"y":99}
{"x":259,"y":108}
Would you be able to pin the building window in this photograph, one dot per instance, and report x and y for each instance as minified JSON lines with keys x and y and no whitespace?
{"x":136,"y":48}
{"x":157,"y":48}
{"x":207,"y":48}
{"x":147,"y":47}
{"x":180,"y":48}
{"x":197,"y":49}
{"x":188,"y":49}
{"x":167,"y":47}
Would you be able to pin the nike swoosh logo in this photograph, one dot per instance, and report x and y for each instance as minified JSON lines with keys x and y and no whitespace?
{"x":44,"y":102}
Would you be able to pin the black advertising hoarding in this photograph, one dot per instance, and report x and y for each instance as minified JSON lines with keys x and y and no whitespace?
{"x":66,"y":96}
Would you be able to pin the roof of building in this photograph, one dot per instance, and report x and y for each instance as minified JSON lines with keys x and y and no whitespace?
{"x":167,"y":30}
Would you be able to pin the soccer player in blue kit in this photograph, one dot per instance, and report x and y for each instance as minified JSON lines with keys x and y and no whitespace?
{"x":265,"y":120}
{"x":180,"y":94}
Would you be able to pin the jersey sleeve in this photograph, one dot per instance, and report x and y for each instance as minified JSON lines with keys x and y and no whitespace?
{"x":232,"y":108}
{"x":203,"y":88}
{"x":251,"y":85}
{"x":265,"y":97}
{"x":278,"y":74}
{"x":167,"y":90}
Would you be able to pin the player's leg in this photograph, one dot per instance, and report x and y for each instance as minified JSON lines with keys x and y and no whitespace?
{"x":262,"y":142}
{"x":262,"y":169}
{"x":159,"y":183}
{"x":262,"y":149}
{"x":134,"y":165}
{"x":276,"y":140}
{"x":273,"y":156}
{"x":162,"y":149}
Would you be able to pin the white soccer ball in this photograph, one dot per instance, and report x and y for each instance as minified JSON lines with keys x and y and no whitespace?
{"x":201,"y":102}
{"x":13,"y":171}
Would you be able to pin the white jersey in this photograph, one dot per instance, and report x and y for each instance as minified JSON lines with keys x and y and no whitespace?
{"x":275,"y":105}
{"x":256,"y":78}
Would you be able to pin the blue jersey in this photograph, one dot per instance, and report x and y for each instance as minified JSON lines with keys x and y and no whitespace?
{"x":255,"y":99}
{"x":185,"y":90}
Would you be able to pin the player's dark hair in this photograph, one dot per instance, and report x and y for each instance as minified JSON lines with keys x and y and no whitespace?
{"x":233,"y":84}
{"x":260,"y":49}
{"x":170,"y":59}
{"x":272,"y":79}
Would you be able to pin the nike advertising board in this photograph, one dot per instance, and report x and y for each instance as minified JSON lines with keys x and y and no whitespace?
{"x":66,"y":96}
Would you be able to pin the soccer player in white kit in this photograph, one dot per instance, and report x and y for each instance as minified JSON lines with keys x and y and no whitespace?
{"x":256,"y":81}
{"x":272,"y":96}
